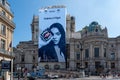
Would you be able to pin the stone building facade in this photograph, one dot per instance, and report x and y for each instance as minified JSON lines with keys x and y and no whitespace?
{"x":7,"y":27}
{"x":90,"y":48}
{"x":26,"y":52}
{"x":94,"y":51}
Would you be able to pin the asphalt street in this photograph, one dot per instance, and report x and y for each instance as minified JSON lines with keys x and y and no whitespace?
{"x":85,"y":78}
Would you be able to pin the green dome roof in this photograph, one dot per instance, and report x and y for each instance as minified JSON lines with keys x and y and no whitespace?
{"x":92,"y":26}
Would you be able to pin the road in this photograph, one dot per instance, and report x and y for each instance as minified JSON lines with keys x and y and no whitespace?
{"x":85,"y":78}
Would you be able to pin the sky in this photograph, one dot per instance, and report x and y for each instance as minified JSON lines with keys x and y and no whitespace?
{"x":105,"y":12}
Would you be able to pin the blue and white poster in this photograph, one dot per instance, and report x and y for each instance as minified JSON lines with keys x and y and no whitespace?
{"x":52,"y":29}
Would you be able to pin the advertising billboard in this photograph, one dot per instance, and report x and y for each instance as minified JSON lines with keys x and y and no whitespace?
{"x":6,"y":65}
{"x":52,"y":29}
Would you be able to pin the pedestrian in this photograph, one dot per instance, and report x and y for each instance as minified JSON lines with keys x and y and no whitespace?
{"x":18,"y":76}
{"x":25,"y":74}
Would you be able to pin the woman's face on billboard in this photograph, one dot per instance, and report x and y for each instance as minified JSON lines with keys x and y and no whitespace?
{"x":56,"y":35}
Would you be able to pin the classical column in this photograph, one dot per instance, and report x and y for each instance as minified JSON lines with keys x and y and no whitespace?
{"x":91,"y":57}
{"x":102,"y":51}
{"x":91,"y":51}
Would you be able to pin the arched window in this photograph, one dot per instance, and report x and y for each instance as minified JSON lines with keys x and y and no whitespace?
{"x":96,"y":30}
{"x":46,"y":66}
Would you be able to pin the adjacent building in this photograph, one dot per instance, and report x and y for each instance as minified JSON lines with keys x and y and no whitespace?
{"x":7,"y":27}
{"x":26,"y":52}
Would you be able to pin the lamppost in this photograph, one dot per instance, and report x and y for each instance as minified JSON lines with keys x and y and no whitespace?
{"x":19,"y":72}
{"x":81,"y":60}
{"x":81,"y":49}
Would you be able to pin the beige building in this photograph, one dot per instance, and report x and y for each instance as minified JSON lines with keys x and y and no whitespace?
{"x":7,"y":27}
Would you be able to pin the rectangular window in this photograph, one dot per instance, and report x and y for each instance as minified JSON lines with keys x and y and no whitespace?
{"x":33,"y":58}
{"x":112,"y":65}
{"x":105,"y":64}
{"x":77,"y":46}
{"x":67,"y":65}
{"x":86,"y":53}
{"x":22,"y":58}
{"x":3,"y":29}
{"x":104,"y":52}
{"x":78,"y":56}
{"x":2,"y":44}
{"x":78,"y":65}
{"x":3,"y":13}
{"x":86,"y":64}
{"x":112,"y":56}
{"x":96,"y":52}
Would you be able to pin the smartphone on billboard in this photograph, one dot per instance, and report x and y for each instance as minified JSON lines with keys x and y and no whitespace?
{"x":46,"y":35}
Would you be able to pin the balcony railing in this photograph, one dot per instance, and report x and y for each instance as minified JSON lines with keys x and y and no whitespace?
{"x":95,"y":58}
{"x":86,"y":58}
{"x":2,"y":51}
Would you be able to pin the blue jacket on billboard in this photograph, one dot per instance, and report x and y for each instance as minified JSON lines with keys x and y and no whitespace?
{"x":52,"y":47}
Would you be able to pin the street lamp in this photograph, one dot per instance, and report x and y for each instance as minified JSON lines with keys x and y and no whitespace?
{"x":81,"y":49}
{"x":81,"y":65}
{"x":19,"y":72}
